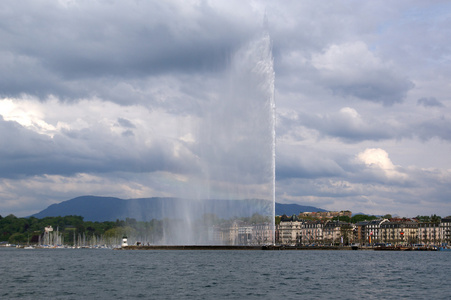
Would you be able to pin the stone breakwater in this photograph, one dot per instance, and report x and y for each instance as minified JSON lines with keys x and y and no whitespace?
{"x":227,"y":247}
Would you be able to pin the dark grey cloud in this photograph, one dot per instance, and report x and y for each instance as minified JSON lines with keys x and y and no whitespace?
{"x":352,"y":69}
{"x":376,"y":87}
{"x":125,"y":123}
{"x":94,"y":150}
{"x":306,"y":165}
{"x":429,"y":102}
{"x":56,"y":49}
{"x":433,"y":128}
{"x":128,"y":133}
{"x":349,"y":127}
{"x":346,"y":125}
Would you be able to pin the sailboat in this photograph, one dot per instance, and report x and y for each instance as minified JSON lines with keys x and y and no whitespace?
{"x":28,"y":246}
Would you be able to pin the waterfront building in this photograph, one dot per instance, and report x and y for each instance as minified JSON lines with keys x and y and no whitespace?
{"x":360,"y":232}
{"x":337,"y":232}
{"x":226,"y":234}
{"x":445,"y":230}
{"x":372,"y":231}
{"x":244,"y":235}
{"x":262,"y":234}
{"x":312,"y":232}
{"x":399,"y":231}
{"x":429,"y":233}
{"x":290,"y":230}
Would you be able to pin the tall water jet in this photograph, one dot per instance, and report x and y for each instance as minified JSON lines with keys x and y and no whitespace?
{"x":227,"y":196}
{"x":239,"y":160}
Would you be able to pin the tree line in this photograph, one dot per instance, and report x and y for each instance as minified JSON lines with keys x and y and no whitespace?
{"x":362,"y":217}
{"x":16,"y":230}
{"x":73,"y":230}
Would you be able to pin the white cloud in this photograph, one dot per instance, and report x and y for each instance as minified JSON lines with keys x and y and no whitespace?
{"x":27,"y":113}
{"x":350,"y":59}
{"x":377,"y":159}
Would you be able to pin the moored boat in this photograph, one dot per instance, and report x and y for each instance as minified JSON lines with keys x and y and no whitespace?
{"x":355,"y":246}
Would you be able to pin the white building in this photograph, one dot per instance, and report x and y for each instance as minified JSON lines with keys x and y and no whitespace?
{"x":290,"y":230}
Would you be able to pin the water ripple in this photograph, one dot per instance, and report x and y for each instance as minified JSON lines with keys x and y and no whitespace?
{"x":72,"y":274}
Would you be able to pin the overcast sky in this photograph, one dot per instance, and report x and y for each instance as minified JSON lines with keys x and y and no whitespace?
{"x":99,"y":97}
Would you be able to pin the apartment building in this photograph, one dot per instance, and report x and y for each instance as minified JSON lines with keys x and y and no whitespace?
{"x":338,"y":232}
{"x":360,"y":235}
{"x":445,"y":230}
{"x":262,"y":234}
{"x":290,"y":230}
{"x":429,"y":233}
{"x":399,"y":232}
{"x":312,"y":232}
{"x":372,"y":231}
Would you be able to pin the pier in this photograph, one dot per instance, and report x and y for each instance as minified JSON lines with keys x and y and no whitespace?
{"x":231,"y":247}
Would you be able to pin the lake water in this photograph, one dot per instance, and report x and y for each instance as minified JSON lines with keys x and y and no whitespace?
{"x":108,"y":274}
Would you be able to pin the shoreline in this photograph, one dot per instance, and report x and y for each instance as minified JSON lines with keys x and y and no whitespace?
{"x":231,"y":247}
{"x":270,"y":248}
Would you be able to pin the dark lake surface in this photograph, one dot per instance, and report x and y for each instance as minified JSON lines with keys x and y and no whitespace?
{"x":209,"y":274}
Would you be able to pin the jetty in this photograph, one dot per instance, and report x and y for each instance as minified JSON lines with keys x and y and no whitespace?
{"x":230,"y":247}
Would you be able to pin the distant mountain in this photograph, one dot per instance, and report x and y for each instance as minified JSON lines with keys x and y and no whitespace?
{"x":294,"y":209}
{"x":94,"y":208}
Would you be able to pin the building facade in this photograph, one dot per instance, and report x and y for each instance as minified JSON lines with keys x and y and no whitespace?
{"x":312,"y":232}
{"x":372,"y":231}
{"x":338,"y":232}
{"x":399,"y":232}
{"x":445,"y":230}
{"x":429,"y":233}
{"x":294,"y":231}
{"x":290,"y":230}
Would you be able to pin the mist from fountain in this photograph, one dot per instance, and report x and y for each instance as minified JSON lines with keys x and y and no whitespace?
{"x":230,"y":197}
